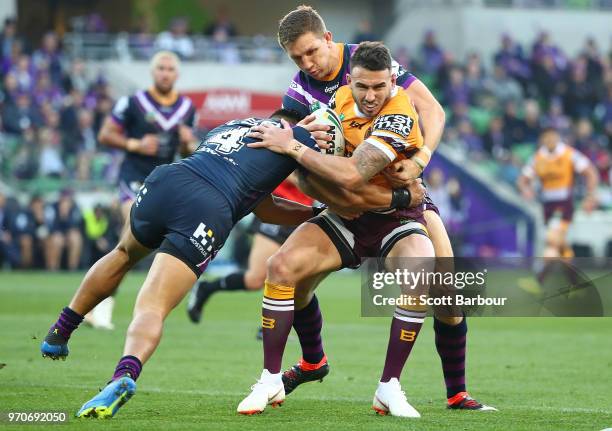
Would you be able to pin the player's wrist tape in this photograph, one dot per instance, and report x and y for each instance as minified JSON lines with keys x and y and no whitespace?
{"x":400,"y":198}
{"x":426,"y":150}
{"x":303,"y":136}
{"x":419,"y":162}
{"x":316,"y":210}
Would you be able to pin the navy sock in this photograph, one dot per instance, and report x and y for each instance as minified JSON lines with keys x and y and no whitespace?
{"x":451,"y":346}
{"x":308,"y":323}
{"x":130,"y":365}
{"x":67,"y":322}
{"x":234,"y":281}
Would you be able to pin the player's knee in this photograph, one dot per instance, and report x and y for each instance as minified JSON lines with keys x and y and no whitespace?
{"x":282,"y":268}
{"x":254,"y":278}
{"x":449,"y":320}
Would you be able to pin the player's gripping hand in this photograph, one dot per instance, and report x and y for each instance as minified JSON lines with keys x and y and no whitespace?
{"x":320,"y":135}
{"x":147,"y":145}
{"x":401,"y":173}
{"x":280,"y":140}
{"x":417,"y":192}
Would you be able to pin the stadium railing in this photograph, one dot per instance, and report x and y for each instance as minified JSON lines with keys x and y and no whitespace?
{"x":127,"y":46}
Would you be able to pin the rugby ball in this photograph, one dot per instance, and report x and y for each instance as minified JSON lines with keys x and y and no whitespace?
{"x":329,"y":117}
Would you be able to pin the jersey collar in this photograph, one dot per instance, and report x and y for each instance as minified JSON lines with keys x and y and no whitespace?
{"x":163,"y":99}
{"x":335,"y":72}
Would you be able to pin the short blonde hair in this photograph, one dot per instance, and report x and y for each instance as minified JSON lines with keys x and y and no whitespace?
{"x":161,"y":54}
{"x":299,"y":21}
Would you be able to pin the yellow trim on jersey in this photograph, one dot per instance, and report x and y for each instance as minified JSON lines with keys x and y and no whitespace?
{"x":164,"y":99}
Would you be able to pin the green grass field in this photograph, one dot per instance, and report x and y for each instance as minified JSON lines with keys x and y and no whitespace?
{"x":542,"y":373}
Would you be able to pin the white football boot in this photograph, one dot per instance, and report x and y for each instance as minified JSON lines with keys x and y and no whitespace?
{"x":390,"y":399}
{"x":101,"y":317}
{"x":269,"y":389}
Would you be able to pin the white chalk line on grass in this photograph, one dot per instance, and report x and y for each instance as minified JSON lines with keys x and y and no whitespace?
{"x":239,"y":395}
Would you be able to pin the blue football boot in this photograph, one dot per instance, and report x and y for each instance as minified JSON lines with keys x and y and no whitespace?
{"x":54,"y":346}
{"x":106,"y":404}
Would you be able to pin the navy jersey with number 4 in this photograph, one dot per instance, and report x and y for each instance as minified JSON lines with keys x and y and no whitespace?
{"x":242,"y":174}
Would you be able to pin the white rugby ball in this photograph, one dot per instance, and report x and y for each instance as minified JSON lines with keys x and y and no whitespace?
{"x":329,"y":117}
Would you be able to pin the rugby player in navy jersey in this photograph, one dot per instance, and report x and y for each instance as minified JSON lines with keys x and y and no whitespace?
{"x":186,"y":211}
{"x":151,"y":126}
{"x":324,"y":66}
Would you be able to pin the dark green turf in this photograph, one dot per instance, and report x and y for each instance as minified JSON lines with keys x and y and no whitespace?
{"x":542,"y":373}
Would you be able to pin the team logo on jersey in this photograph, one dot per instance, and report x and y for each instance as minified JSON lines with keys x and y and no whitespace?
{"x":203,"y":239}
{"x":150,"y":117}
{"x":396,"y":123}
{"x":356,"y":124}
{"x":333,"y":88}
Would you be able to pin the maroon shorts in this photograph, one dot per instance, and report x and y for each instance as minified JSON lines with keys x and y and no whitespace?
{"x":564,"y":207}
{"x":372,"y":234}
{"x":429,"y":204}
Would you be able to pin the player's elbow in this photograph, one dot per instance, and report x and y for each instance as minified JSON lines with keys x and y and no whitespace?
{"x":440,"y":114}
{"x":103,"y":137}
{"x":353,"y":181}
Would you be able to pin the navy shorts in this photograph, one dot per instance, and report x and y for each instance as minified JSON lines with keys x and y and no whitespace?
{"x":430,"y":205}
{"x":179,"y":213}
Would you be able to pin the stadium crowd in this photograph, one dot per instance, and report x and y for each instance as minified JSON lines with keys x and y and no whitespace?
{"x":495,"y":116}
{"x":51,"y":108}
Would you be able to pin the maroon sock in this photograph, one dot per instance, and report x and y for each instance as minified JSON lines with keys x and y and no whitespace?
{"x":405,"y":328}
{"x":276,"y":321}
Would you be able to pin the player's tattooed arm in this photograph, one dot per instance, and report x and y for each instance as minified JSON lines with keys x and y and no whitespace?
{"x":369,"y":160}
{"x":340,"y":199}
{"x":350,"y":173}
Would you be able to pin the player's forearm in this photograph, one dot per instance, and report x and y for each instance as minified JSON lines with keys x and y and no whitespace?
{"x":116,"y":140}
{"x":338,"y":170}
{"x":281,"y":211}
{"x":592,"y":180}
{"x":431,"y":114}
{"x":432,"y":119}
{"x":523,"y":183}
{"x":365,"y":198}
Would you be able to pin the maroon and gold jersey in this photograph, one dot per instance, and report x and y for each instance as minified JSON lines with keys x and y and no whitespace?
{"x":555,"y":171}
{"x":395,"y":130}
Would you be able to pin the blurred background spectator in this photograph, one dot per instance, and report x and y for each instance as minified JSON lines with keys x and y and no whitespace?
{"x":176,"y":39}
